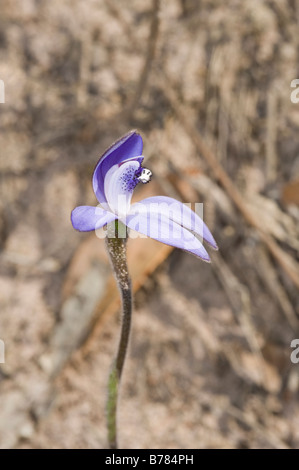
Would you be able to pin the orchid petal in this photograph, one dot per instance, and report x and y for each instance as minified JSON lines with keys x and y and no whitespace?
{"x":177,"y":212}
{"x":161,"y":228}
{"x":128,"y":147}
{"x":87,"y":218}
{"x":119,"y":185}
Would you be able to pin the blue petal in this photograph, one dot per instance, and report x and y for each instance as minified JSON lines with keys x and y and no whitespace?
{"x":179,"y":213}
{"x":119,"y":186}
{"x":129,"y":146}
{"x":88,"y":218}
{"x":161,"y":228}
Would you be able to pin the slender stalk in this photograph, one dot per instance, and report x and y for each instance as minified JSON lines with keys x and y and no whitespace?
{"x":149,"y":58}
{"x":116,"y":247}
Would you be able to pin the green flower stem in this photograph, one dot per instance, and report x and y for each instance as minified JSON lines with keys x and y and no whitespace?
{"x":116,"y":245}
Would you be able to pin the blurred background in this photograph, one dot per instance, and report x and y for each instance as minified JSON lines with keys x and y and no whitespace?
{"x":208,"y":86}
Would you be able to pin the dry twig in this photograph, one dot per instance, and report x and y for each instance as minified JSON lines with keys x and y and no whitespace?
{"x":285,"y":261}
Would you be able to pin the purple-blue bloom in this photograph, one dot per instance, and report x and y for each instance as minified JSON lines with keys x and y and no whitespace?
{"x":165,"y":219}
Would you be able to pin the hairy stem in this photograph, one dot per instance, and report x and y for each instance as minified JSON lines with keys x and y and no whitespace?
{"x":116,"y":247}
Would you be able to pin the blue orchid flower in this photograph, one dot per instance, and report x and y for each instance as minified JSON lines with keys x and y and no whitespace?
{"x":165,"y":219}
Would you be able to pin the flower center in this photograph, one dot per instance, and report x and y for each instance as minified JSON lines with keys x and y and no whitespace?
{"x":128,"y":180}
{"x":132,"y":177}
{"x":145,"y":175}
{"x":120,"y":182}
